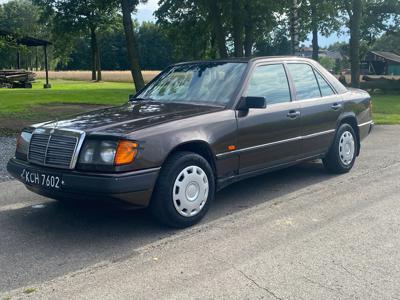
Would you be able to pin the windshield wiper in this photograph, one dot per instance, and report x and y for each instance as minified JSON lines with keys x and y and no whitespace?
{"x":132,"y":98}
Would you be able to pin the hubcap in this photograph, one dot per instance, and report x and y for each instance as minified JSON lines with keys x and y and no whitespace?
{"x":190,"y":191}
{"x":346,"y":148}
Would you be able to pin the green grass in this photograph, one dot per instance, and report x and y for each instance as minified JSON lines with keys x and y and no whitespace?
{"x":386,"y":108}
{"x":16,"y":101}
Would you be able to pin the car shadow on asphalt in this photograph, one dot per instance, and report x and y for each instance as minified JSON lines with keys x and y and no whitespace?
{"x":57,"y":238}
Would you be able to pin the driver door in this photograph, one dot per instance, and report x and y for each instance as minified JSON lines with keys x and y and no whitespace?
{"x":271,"y":136}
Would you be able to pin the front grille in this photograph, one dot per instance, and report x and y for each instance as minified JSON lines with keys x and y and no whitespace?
{"x":52,"y":150}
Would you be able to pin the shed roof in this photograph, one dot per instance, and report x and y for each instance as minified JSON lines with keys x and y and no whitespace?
{"x":387,"y":55}
{"x":25,"y":40}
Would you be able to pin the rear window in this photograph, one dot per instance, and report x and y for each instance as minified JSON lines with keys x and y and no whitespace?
{"x":305,"y":82}
{"x":326,"y":89}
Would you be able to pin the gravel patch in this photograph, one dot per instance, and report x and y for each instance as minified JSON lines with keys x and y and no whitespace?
{"x":7,"y":148}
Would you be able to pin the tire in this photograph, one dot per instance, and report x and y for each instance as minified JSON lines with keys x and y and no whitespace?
{"x":184,"y":190}
{"x":342,"y":154}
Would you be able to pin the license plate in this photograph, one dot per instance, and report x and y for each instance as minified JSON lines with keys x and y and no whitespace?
{"x":41,"y":179}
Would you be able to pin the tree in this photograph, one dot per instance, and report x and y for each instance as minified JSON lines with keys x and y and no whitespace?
{"x":292,"y":13}
{"x":214,"y":12}
{"x":275,"y":43}
{"x":314,"y":28}
{"x":250,"y":23}
{"x":367,"y":19}
{"x":128,"y":7}
{"x":155,"y":50}
{"x":81,"y":17}
{"x":294,"y":26}
{"x":323,"y":17}
{"x":355,"y":13}
{"x":315,"y":16}
{"x":379,"y":16}
{"x":260,"y":20}
{"x":390,"y":41}
{"x":238,"y":26}
{"x":328,"y":63}
{"x":249,"y":28}
{"x":22,"y":18}
{"x":186,"y":25}
{"x":225,"y":27}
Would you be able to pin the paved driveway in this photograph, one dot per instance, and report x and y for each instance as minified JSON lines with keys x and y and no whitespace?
{"x":298,"y":233}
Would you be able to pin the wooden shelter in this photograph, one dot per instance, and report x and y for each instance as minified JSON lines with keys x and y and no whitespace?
{"x":383,"y":63}
{"x":29,"y":42}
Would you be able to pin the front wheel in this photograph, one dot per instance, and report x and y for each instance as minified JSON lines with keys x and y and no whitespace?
{"x":342,"y":155}
{"x":184,"y":190}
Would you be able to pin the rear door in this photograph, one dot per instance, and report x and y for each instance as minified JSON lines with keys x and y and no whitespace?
{"x":270,"y":136}
{"x":320,"y":108}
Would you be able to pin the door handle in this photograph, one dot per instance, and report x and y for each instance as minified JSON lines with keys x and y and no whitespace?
{"x":336,"y":106}
{"x":293,"y":114}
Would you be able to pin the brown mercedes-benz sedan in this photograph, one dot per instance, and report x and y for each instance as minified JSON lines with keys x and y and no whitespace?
{"x":194,"y":129}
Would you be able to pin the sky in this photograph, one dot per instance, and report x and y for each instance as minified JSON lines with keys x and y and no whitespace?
{"x":145,"y":13}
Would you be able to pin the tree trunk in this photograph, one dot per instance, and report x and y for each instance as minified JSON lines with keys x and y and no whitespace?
{"x":98,"y":62}
{"x":18,"y":60}
{"x":248,"y":41}
{"x":36,"y":60}
{"x":355,"y":22}
{"x":248,"y":30}
{"x":215,"y":16}
{"x":97,"y":59}
{"x":238,"y":25}
{"x":132,"y":45}
{"x":314,"y":21}
{"x":93,"y":52}
{"x":214,"y":50}
{"x":294,"y":27}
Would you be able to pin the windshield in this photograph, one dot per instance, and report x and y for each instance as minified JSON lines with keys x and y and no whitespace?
{"x":207,"y":82}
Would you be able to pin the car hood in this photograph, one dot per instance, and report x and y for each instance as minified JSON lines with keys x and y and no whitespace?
{"x":129,"y":117}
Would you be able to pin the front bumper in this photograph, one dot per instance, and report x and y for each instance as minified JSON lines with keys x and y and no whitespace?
{"x":132,"y":187}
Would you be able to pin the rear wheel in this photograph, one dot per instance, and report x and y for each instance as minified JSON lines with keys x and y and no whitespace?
{"x":184,"y":190}
{"x":342,"y":155}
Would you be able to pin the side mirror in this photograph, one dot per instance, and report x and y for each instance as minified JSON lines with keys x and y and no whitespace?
{"x":252,"y":102}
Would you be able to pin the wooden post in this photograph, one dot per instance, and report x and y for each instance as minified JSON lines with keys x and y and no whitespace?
{"x":18,"y":60}
{"x":36,"y":60}
{"x":46,"y":66}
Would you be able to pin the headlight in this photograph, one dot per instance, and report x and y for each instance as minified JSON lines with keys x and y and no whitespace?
{"x":23,"y":141}
{"x":108,"y":152}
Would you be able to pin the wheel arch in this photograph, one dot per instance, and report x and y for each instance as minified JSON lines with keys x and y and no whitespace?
{"x":199,"y":147}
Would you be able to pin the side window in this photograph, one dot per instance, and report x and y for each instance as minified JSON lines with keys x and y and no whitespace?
{"x":304,"y":81}
{"x":269,"y":81}
{"x":326,"y":90}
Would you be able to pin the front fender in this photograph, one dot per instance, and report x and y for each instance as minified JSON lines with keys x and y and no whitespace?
{"x":217,"y":130}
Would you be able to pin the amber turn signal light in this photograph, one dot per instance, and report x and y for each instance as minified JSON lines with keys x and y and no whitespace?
{"x":126,"y":153}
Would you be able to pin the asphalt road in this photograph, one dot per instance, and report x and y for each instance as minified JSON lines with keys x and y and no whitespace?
{"x":7,"y":149}
{"x":298,"y":233}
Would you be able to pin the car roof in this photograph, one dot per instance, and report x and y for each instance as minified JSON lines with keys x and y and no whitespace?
{"x":340,"y":88}
{"x":248,"y":59}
